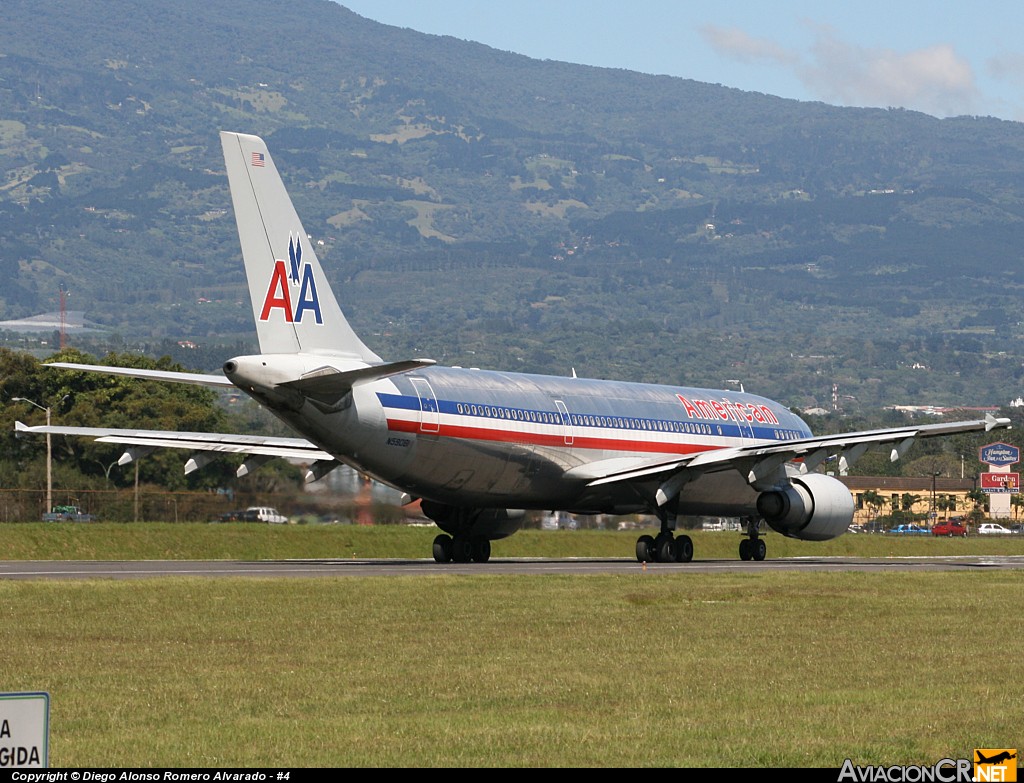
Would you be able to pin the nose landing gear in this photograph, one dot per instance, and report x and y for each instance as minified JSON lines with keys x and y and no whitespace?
{"x":753,"y":547}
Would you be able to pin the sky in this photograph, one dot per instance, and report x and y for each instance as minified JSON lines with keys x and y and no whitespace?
{"x":935,"y":56}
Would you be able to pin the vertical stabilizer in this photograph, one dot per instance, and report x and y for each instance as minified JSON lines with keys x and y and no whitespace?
{"x":294,"y":307}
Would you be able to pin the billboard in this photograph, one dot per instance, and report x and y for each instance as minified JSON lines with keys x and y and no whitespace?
{"x":1000,"y":482}
{"x":999,"y":454}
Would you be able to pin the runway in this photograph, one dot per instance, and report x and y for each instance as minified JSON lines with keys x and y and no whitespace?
{"x":317,"y":568}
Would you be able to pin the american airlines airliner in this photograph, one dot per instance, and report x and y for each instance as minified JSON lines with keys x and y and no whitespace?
{"x":480,"y":447}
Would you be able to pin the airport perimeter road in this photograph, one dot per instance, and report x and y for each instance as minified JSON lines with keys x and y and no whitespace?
{"x":139,"y":569}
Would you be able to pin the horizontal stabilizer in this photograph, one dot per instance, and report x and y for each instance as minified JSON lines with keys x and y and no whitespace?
{"x":194,"y":378}
{"x":327,"y":382}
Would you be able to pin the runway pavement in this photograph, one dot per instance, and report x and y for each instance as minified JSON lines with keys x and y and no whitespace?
{"x":272,"y":569}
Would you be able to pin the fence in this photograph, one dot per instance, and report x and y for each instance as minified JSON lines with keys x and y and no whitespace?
{"x":125,"y":505}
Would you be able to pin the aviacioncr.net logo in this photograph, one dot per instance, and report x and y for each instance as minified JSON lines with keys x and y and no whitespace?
{"x":943,"y":771}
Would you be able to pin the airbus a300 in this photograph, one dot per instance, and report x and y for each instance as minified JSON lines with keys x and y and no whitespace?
{"x":481,"y":447}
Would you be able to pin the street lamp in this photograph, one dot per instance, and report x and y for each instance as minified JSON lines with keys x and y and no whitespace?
{"x":49,"y":453}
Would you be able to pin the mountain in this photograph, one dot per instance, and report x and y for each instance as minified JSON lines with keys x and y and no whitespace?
{"x":487,"y":209}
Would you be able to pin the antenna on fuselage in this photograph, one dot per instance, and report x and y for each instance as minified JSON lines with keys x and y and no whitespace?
{"x":737,"y":382}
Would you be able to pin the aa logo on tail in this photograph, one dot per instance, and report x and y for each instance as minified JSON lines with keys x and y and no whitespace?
{"x":296,"y":278}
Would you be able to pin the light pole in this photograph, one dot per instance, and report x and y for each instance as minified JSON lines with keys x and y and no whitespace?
{"x":49,"y":453}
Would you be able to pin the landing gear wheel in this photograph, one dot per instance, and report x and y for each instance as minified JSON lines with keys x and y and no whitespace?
{"x":745,"y":550}
{"x":666,"y":549}
{"x":443,"y":548}
{"x":462,"y":549}
{"x":684,"y":549}
{"x":645,"y":549}
{"x":481,"y":550}
{"x":758,"y":549}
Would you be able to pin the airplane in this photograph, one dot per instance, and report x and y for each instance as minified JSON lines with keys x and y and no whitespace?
{"x":478,"y":447}
{"x":999,"y":758}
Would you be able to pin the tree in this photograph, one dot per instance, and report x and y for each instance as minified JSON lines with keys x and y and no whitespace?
{"x":908,"y":501}
{"x":945,"y":504}
{"x":977,"y":497}
{"x":1017,"y":502}
{"x":92,"y":400}
{"x":873,"y":501}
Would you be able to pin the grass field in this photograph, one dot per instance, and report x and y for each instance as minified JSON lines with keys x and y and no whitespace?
{"x":744,"y":670}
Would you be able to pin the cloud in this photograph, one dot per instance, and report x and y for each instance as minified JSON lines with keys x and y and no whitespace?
{"x":934,"y":80}
{"x":737,"y":45}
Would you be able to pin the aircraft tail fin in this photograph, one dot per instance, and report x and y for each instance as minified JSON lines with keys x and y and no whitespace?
{"x":293,"y":305}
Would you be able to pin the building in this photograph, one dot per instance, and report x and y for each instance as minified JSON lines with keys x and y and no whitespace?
{"x":945,"y":497}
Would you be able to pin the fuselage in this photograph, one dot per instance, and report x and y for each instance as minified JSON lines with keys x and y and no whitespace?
{"x":512,"y":440}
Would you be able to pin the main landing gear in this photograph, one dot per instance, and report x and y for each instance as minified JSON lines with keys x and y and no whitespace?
{"x":665,"y":548}
{"x":669,"y":548}
{"x":461,"y":549}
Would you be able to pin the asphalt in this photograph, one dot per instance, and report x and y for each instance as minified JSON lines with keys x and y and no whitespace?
{"x":147,"y":569}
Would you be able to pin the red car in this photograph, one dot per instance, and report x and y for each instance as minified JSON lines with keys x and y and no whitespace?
{"x":949,"y":529}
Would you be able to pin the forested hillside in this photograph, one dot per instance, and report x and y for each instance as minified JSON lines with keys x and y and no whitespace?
{"x":486,"y":209}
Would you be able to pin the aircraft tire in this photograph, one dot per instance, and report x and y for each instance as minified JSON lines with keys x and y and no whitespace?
{"x":481,"y":550}
{"x":758,"y":549}
{"x":746,"y":552}
{"x":684,"y":549}
{"x":462,"y":549}
{"x":666,"y":551}
{"x":443,"y":548}
{"x":645,"y":549}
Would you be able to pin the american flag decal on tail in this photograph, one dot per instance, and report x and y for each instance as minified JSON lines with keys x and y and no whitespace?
{"x":257,"y":160}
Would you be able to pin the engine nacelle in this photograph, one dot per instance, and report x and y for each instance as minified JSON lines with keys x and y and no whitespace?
{"x":489,"y":523}
{"x":812,"y":508}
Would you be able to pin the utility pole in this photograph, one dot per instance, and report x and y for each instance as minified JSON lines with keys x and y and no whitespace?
{"x":49,"y":452}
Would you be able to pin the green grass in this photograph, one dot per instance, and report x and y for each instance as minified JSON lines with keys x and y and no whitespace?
{"x":247,"y":541}
{"x":783,"y":669}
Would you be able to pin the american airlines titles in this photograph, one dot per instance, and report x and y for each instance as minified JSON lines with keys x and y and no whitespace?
{"x":728,"y":410}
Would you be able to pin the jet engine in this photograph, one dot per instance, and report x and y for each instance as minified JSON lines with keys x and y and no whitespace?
{"x":489,"y":523}
{"x":812,"y":508}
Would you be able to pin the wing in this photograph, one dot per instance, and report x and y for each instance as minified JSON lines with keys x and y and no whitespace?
{"x":207,"y":445}
{"x":759,"y":462}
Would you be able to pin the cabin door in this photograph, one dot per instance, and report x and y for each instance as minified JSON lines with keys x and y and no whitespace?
{"x":430,"y":421}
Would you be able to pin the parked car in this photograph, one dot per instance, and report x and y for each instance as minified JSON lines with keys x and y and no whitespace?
{"x":992,"y":529}
{"x":1017,"y":529}
{"x":950,"y":528}
{"x":910,"y":530}
{"x":68,"y":514}
{"x":267,"y":514}
{"x":239,"y":515}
